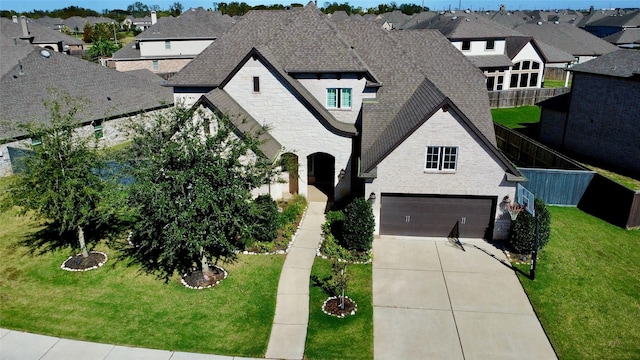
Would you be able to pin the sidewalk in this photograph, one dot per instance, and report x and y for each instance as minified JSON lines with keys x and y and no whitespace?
{"x":289,"y":331}
{"x":17,"y":345}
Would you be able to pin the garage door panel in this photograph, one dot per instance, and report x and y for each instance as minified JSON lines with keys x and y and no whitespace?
{"x":435,"y":215}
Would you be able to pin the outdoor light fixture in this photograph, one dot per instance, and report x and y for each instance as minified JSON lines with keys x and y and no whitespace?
{"x":341,"y":174}
{"x":372,"y":197}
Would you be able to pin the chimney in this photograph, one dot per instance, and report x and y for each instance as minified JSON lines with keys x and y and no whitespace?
{"x":25,"y":29}
{"x":503,"y":8}
{"x":14,"y":18}
{"x":154,"y":18}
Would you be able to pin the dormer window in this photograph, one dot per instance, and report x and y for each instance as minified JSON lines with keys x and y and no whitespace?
{"x":466,"y":45}
{"x":339,"y":98}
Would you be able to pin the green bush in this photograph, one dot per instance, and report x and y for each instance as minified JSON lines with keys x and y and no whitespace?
{"x":334,"y":223}
{"x":359,"y":225}
{"x":523,"y":229}
{"x":291,"y":213}
{"x":265,"y":214}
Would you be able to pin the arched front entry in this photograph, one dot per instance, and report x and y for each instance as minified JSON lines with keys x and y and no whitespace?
{"x":321,"y":173}
{"x":289,"y":163}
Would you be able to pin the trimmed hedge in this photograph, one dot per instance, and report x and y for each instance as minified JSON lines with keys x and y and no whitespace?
{"x":523,"y":230}
{"x":358,"y":226}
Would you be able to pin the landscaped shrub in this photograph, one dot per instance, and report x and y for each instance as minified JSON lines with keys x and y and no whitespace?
{"x":523,"y":229}
{"x":333,"y":224}
{"x":359,"y":225}
{"x":265,"y":213}
{"x":292,"y":212}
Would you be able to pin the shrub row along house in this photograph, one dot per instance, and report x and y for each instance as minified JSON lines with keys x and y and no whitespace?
{"x":400,"y":118}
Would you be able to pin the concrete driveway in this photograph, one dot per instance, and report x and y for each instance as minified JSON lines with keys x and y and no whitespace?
{"x":432,"y":300}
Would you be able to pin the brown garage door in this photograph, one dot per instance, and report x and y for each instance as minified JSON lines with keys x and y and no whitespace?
{"x":433,"y":215}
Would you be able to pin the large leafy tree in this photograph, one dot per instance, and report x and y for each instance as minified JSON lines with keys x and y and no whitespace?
{"x":58,"y":180}
{"x":192,"y":191}
{"x":102,"y":47}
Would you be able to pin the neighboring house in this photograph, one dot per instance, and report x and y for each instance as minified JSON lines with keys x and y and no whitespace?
{"x":107,"y":98}
{"x":398,"y":117}
{"x":627,"y":38}
{"x":569,"y":38}
{"x":512,"y":64}
{"x":600,"y":117}
{"x":613,"y":24}
{"x":170,"y":44}
{"x":35,"y":34}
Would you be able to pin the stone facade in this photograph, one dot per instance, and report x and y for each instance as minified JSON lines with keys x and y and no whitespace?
{"x":403,"y":171}
{"x":289,"y":121}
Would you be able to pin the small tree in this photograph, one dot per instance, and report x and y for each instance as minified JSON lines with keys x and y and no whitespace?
{"x":59,"y":180}
{"x":102,"y":47}
{"x":523,"y":229}
{"x":358,"y":226}
{"x":192,"y":191}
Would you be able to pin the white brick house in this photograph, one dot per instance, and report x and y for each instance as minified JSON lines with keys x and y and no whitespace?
{"x":366,"y":112}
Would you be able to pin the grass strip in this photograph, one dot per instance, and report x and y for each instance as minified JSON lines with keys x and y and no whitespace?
{"x":516,"y":118}
{"x":351,"y":337}
{"x":587,"y":287}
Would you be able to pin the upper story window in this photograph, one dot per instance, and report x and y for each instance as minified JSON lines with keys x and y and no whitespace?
{"x":524,"y":74}
{"x":441,"y":158}
{"x":491,"y":44}
{"x":167,"y":44}
{"x":256,"y":84}
{"x":155,"y":64}
{"x":466,"y":45}
{"x":339,"y":98}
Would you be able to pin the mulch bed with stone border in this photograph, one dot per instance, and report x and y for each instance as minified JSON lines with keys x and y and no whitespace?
{"x":195,"y":279}
{"x":79,"y":263}
{"x":332,"y":307}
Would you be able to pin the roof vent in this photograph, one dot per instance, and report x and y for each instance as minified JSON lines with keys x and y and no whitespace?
{"x":467,"y":19}
{"x":540,"y":23}
{"x":45,"y":53}
{"x":453,"y":11}
{"x":467,"y":11}
{"x":453,"y":18}
{"x":556,"y":22}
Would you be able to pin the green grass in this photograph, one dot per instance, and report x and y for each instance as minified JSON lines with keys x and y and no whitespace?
{"x":587,"y":287}
{"x":630,"y":182}
{"x":516,"y":118}
{"x":351,"y":337}
{"x":555,"y":83}
{"x":117,"y":304}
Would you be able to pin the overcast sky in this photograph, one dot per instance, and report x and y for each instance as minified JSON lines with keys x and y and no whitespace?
{"x":99,"y":5}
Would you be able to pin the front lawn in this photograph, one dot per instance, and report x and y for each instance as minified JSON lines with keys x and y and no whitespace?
{"x":587,"y":287}
{"x":117,"y":304}
{"x":351,"y":337}
{"x":555,"y":83}
{"x":518,"y":117}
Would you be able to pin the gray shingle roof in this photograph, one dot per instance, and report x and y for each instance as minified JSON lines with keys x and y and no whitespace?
{"x":192,"y":24}
{"x":104,"y":93}
{"x":467,"y":26}
{"x":569,"y":38}
{"x":243,"y":121}
{"x":490,"y":61}
{"x":419,"y":72}
{"x":41,"y":34}
{"x":620,"y":63}
{"x":127,"y":52}
{"x":626,"y":36}
{"x":631,"y":19}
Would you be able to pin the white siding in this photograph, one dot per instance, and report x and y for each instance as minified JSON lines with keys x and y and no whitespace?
{"x":478,"y":47}
{"x":297,"y":130}
{"x":182,"y":47}
{"x":478,"y":171}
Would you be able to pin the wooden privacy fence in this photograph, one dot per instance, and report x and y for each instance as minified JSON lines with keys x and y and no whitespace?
{"x":558,"y":180}
{"x":514,"y":98}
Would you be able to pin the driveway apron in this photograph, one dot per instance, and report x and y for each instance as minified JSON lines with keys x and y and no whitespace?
{"x":434,"y":300}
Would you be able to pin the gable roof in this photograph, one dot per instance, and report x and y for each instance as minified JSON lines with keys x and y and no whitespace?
{"x":631,"y":19}
{"x":549,"y":53}
{"x":620,"y":63}
{"x":624,"y":36}
{"x":41,"y":34}
{"x":191,"y":24}
{"x":418,"y":72}
{"x":566,"y":37}
{"x":104,"y":93}
{"x":466,"y":26}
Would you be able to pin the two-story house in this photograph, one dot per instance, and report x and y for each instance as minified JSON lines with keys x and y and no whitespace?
{"x":398,"y":117}
{"x":168,"y":45}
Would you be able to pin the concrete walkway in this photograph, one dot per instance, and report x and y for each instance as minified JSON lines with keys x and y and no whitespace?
{"x":17,"y":345}
{"x":433,"y":300}
{"x":289,"y":331}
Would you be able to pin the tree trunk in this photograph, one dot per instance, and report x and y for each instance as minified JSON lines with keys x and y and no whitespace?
{"x":83,"y":245}
{"x":204,"y":264}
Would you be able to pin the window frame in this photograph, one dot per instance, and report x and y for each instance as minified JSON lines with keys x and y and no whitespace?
{"x":155,"y":64}
{"x":256,"y":84}
{"x":490,"y":47}
{"x":441,"y":159}
{"x":98,"y":130}
{"x":167,"y":44}
{"x":339,"y":98}
{"x":466,"y":45}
